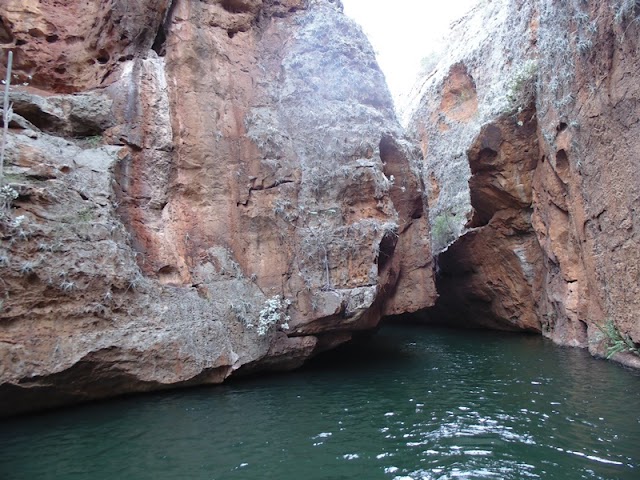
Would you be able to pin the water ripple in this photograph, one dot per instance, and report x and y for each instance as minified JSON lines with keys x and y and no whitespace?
{"x":410,"y":404}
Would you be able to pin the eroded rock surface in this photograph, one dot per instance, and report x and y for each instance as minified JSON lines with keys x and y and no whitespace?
{"x":491,"y":273}
{"x":572,"y":184}
{"x":250,"y":171}
{"x":72,"y":46}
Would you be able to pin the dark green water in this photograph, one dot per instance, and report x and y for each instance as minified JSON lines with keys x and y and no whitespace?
{"x":410,"y":404}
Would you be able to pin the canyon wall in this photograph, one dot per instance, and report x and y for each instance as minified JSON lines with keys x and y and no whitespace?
{"x":199,"y":189}
{"x":204,"y":188}
{"x":529,"y":126}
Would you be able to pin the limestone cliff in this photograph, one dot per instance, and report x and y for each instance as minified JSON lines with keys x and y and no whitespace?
{"x":204,"y":187}
{"x":530,"y":128}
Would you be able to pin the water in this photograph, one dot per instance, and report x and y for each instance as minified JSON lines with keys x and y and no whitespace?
{"x":410,"y":404}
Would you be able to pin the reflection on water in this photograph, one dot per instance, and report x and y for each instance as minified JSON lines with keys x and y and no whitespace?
{"x":409,"y":403}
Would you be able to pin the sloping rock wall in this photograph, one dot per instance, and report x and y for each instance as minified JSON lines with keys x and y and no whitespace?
{"x":578,"y":63}
{"x":203,"y":188}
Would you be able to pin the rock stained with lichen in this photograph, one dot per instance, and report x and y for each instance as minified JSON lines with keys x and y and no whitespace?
{"x":179,"y":165}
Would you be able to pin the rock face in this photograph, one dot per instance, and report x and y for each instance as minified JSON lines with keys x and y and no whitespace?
{"x":530,"y":133}
{"x":76,"y":46}
{"x":490,"y":273}
{"x":204,"y":188}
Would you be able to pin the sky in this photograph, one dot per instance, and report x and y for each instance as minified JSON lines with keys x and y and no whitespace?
{"x":402,"y":32}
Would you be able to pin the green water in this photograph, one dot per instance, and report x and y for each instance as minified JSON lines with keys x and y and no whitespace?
{"x":410,"y":403}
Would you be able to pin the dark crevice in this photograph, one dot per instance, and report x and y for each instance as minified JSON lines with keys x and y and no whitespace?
{"x":168,"y":275}
{"x":237,"y":6}
{"x":5,"y":33}
{"x":54,"y":125}
{"x":276,"y":184}
{"x":407,"y":201}
{"x":43,"y":120}
{"x":386,"y":248}
{"x":160,"y":42}
{"x":562,"y":164}
{"x":103,"y":57}
{"x":582,"y":334}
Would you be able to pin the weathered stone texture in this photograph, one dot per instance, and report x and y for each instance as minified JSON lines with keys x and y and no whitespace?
{"x":588,"y":218}
{"x":250,"y":151}
{"x":491,"y":274}
{"x":582,"y":65}
{"x":72,"y":46}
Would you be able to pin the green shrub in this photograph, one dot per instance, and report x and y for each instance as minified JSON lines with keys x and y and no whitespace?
{"x":521,"y":89}
{"x":616,"y":341}
{"x":443,"y":231}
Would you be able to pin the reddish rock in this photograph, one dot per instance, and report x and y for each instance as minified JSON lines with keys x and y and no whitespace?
{"x":491,"y":275}
{"x":75,"y":46}
{"x":578,"y":194}
{"x":251,"y":175}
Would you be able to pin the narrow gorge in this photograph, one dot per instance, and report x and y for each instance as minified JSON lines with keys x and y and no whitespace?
{"x":199,"y":190}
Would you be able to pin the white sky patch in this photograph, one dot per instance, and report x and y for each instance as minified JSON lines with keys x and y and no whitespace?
{"x":402,"y":32}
